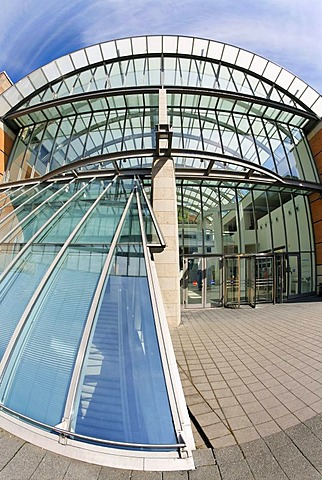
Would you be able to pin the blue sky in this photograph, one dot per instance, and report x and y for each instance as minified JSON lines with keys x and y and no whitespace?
{"x":288,"y":32}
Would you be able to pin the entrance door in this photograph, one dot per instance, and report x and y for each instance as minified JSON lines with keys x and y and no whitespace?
{"x":264,"y":271}
{"x":279,"y":289}
{"x":202,"y":282}
{"x":232,"y":291}
{"x":192,"y":282}
{"x":239,"y":273}
{"x":213,"y":282}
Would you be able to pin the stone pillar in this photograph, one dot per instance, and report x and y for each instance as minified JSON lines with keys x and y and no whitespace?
{"x":164,"y":202}
{"x":315,"y":141}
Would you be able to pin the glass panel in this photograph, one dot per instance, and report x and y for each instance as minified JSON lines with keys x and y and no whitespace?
{"x":100,"y":226}
{"x":21,"y":212}
{"x":306,"y":273}
{"x":193,"y":281}
{"x":229,"y":221}
{"x":264,"y":279}
{"x":7,"y":253}
{"x":211,"y":220}
{"x":24,"y":277}
{"x":123,"y":396}
{"x":232,"y":280}
{"x":62,"y":226}
{"x":191,"y":220}
{"x":303,"y":221}
{"x":290,"y":222}
{"x":277,"y":221}
{"x":43,"y":360}
{"x":293,"y":275}
{"x":213,"y":279}
{"x":262,"y":222}
{"x":248,"y":234}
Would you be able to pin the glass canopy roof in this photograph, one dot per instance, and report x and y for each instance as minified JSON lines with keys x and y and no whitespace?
{"x":183,"y":60}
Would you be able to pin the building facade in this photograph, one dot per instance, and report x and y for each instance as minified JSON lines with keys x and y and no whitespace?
{"x":142,"y":176}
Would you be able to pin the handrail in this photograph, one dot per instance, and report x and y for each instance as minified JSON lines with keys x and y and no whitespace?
{"x":70,"y":434}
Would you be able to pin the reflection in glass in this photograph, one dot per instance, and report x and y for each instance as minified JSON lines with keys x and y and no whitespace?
{"x":24,"y":277}
{"x":123,"y":395}
{"x":41,"y":366}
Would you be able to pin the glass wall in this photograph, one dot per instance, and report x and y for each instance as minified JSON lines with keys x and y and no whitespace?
{"x":225,"y":220}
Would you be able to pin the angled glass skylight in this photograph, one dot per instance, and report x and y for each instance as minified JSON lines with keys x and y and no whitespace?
{"x":81,"y":353}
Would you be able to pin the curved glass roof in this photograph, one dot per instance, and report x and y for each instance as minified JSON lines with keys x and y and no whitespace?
{"x":164,"y":60}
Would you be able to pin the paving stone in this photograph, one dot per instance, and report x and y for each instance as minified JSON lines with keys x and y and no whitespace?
{"x":82,"y":471}
{"x":215,"y":431}
{"x":51,"y":466}
{"x":229,"y":455}
{"x":9,"y":446}
{"x":308,"y":444}
{"x":246,"y":435}
{"x":205,"y":473}
{"x":107,"y":473}
{"x":175,"y":475}
{"x":268,"y":428}
{"x":277,"y":440}
{"x":315,"y":425}
{"x":299,"y":469}
{"x":226,"y":441}
{"x":236,"y":471}
{"x":209,"y":418}
{"x":136,"y":475}
{"x":265,"y":467}
{"x":23,"y":464}
{"x":203,"y":457}
{"x":200,"y":408}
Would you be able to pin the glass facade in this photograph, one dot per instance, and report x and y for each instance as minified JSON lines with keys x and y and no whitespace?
{"x":85,"y":354}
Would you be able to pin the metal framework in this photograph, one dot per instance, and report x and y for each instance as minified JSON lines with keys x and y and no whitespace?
{"x":95,"y":122}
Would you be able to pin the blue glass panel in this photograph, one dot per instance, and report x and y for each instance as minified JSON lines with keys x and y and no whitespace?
{"x":32,"y":224}
{"x":123,"y":396}
{"x":103,"y":221}
{"x":43,"y":360}
{"x":21,"y":283}
{"x":7,"y":253}
{"x":62,"y":226}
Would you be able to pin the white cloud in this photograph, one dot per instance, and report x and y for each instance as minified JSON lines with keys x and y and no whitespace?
{"x":285,"y":31}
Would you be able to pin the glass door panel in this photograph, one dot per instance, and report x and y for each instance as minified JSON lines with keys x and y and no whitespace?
{"x":232,"y":281}
{"x":213,"y":281}
{"x":250,"y":281}
{"x":193,"y":282}
{"x":264,"y":279}
{"x":280,"y":278}
{"x":293,"y":275}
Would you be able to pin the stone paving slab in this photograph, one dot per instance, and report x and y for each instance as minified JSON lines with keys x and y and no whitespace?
{"x":253,"y":382}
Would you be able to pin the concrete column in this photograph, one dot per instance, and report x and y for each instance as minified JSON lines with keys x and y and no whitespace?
{"x":164,"y":201}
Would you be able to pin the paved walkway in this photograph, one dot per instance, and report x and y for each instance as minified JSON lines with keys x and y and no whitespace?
{"x":253,"y":385}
